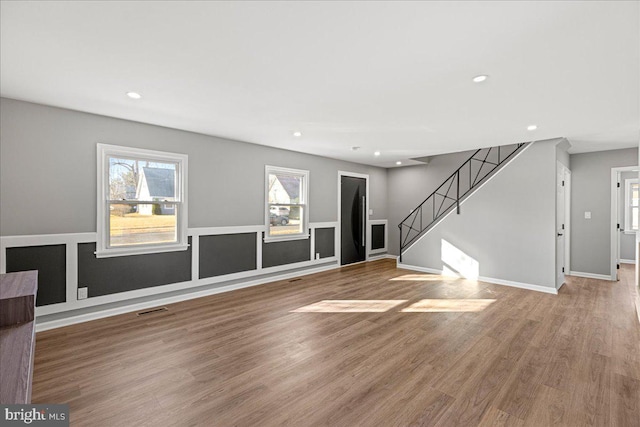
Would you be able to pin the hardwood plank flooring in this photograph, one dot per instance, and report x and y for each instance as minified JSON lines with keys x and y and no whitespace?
{"x":368,"y":345}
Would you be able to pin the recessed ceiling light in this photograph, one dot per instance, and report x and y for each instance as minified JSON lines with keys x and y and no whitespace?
{"x":480,"y":78}
{"x":297,"y":134}
{"x":532,"y":127}
{"x":398,"y":162}
{"x":377,"y":153}
{"x":134,"y":95}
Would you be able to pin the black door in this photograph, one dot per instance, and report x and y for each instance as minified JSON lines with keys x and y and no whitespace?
{"x":353,"y":219}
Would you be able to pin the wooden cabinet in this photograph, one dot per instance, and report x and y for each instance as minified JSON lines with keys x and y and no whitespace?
{"x":17,"y":335}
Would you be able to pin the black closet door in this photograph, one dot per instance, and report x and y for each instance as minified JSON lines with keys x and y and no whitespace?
{"x":353,"y":219}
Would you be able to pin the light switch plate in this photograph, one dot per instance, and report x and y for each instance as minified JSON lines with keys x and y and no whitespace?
{"x":587,"y":215}
{"x":83,"y":293}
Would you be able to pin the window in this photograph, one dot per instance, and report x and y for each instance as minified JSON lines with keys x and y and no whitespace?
{"x":142,"y":201}
{"x":631,"y":205}
{"x":286,"y":208}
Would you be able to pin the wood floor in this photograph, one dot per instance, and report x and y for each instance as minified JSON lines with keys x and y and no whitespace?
{"x":367,"y":345}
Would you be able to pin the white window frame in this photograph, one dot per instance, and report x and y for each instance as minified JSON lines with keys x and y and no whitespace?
{"x":627,"y":206}
{"x":104,"y":152}
{"x":304,"y":203}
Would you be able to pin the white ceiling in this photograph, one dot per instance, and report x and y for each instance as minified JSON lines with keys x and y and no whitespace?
{"x":388,"y":76}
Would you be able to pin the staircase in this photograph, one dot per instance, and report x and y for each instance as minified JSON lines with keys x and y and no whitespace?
{"x":459,"y":185}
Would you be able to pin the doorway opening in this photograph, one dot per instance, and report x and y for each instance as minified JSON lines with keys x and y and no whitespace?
{"x":624,"y":217}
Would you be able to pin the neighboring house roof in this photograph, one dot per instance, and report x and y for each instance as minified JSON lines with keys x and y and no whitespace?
{"x":291,"y":185}
{"x":161,"y":182}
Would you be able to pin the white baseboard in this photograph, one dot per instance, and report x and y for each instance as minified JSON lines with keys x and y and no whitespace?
{"x":382,"y":256}
{"x":102,"y":313}
{"x":491,"y":280}
{"x":627,"y":261}
{"x":590,"y":275}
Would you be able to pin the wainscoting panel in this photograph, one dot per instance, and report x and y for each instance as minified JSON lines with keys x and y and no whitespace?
{"x":104,"y":276}
{"x":227,"y":253}
{"x":50,"y":261}
{"x":377,"y":236}
{"x":289,"y":252}
{"x":219,"y":259}
{"x":325,"y":242}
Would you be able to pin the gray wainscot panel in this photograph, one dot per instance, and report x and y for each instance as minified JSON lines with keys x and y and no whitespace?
{"x":289,"y":252}
{"x":51,"y":263}
{"x":325,"y":242}
{"x":227,"y":253}
{"x":104,"y":276}
{"x":377,"y":236}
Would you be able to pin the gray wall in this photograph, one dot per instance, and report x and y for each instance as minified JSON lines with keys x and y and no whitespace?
{"x":407,"y":187}
{"x":627,"y":241}
{"x":48,"y":171}
{"x":591,"y":191}
{"x":507,"y":226}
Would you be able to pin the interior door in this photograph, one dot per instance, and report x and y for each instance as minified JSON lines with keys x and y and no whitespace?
{"x":353,"y":205}
{"x":560,"y":228}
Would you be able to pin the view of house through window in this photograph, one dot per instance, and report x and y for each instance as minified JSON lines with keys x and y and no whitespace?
{"x":142,"y":201}
{"x":132,"y":181}
{"x":286,"y":202}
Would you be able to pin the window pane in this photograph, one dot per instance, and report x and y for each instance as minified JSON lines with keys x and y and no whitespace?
{"x":142,"y":224}
{"x":285,"y":188}
{"x":132,"y":179}
{"x":634,"y":194}
{"x":634,"y":218}
{"x":285,"y":220}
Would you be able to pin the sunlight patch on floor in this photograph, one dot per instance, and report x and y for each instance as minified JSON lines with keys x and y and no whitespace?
{"x":423,"y":278}
{"x":380,"y":306}
{"x":448,"y":305}
{"x":350,"y":306}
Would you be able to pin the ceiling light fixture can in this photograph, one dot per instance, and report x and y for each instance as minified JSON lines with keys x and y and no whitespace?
{"x":532,"y":127}
{"x":480,"y":78}
{"x":398,"y":162}
{"x":134,"y":95}
{"x":377,"y":153}
{"x":297,"y":134}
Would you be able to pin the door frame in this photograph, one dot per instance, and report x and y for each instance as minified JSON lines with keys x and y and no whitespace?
{"x":615,"y":234}
{"x":567,"y":221}
{"x":563,"y":170}
{"x":367,"y":232}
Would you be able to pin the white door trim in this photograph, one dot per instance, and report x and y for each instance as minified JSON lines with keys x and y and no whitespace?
{"x":615,"y":172}
{"x":567,"y":221}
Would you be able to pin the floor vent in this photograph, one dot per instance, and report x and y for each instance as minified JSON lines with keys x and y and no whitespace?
{"x":153,"y":310}
{"x":295,"y":280}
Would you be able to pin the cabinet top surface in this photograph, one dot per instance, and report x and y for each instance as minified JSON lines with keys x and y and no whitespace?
{"x":22,"y":283}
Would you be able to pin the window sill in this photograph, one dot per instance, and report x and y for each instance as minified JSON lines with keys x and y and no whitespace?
{"x":286,"y":238}
{"x":110,"y":253}
{"x":630,"y":231}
